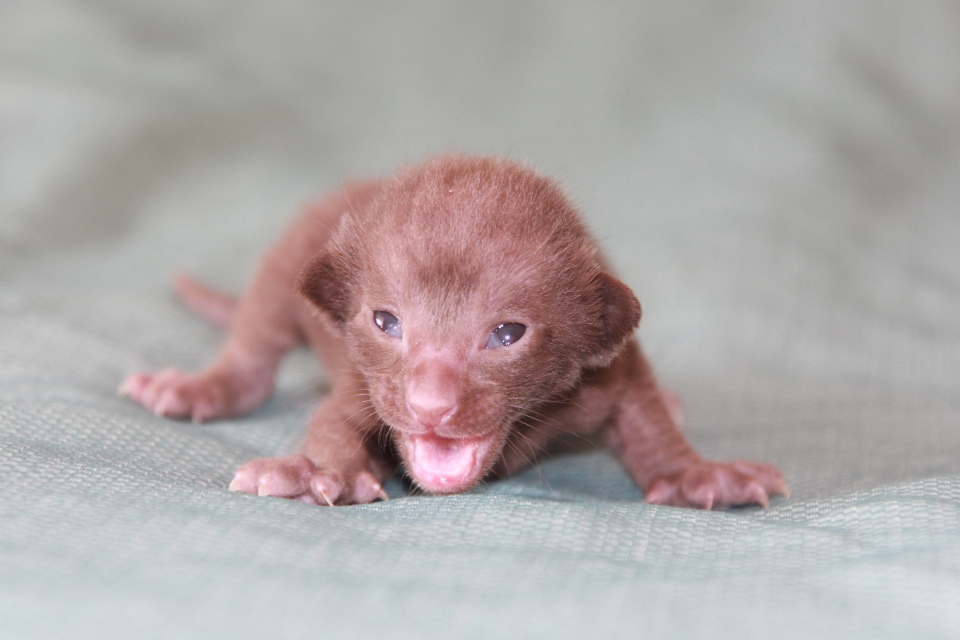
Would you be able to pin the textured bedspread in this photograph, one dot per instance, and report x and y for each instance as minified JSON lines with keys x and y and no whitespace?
{"x":779,"y":183}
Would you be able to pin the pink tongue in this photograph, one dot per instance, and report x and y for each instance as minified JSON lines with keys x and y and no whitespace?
{"x":444,"y":460}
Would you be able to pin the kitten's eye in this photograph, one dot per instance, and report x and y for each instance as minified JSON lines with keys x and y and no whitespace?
{"x":388,"y":323}
{"x":505,"y":335}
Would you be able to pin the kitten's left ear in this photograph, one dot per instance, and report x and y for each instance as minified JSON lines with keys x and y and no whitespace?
{"x":619,"y":317}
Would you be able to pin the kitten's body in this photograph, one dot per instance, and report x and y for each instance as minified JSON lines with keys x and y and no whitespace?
{"x":419,"y":280}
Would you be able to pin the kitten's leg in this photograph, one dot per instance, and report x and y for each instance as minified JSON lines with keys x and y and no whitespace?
{"x":337,"y":465}
{"x":268,"y":322}
{"x":263,"y":330}
{"x":666,"y":467}
{"x":340,"y":461}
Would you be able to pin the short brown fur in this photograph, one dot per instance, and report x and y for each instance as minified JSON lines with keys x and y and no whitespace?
{"x":452,"y":249}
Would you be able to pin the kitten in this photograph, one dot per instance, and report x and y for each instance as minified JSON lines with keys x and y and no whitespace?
{"x":461,"y":309}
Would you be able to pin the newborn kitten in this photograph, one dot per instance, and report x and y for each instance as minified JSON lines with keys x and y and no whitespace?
{"x":460,"y":308}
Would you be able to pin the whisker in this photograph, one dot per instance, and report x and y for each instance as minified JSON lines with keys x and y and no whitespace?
{"x":523,"y":456}
{"x":530,"y":460}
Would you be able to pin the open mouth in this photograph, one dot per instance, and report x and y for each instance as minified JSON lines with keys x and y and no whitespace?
{"x":446,"y":465}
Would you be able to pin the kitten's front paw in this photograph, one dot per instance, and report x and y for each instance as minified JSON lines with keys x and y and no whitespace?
{"x":297,"y":478}
{"x":174,"y":394}
{"x":217,"y":392}
{"x":713,"y":485}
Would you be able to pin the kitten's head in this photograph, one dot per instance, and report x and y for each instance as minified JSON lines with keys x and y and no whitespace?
{"x":469,"y":292}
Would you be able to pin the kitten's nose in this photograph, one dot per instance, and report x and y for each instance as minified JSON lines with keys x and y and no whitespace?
{"x":433,"y":384}
{"x":428,"y":409}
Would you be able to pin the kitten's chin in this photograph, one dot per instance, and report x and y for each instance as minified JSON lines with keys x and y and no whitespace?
{"x":447,"y":465}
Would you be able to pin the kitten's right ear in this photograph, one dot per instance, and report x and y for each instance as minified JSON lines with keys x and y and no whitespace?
{"x":323,"y":283}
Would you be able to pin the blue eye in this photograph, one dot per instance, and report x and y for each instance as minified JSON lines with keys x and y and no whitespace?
{"x":388,"y":323}
{"x":505,"y":335}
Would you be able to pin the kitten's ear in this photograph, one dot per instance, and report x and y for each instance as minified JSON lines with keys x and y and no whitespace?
{"x":323,"y":282}
{"x":619,"y":317}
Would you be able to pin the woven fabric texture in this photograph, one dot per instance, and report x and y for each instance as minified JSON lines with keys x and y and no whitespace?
{"x":777,"y":182}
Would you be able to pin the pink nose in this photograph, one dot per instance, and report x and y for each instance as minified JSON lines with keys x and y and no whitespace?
{"x":429,"y":410}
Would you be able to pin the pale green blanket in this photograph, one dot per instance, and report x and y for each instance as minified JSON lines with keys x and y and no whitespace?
{"x":778,"y":182}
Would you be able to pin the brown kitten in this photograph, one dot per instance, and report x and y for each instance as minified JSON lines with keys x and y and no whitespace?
{"x":462,"y":308}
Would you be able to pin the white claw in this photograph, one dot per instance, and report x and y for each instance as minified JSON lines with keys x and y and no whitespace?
{"x":326,"y":497}
{"x":162,"y":406}
{"x":124,"y":389}
{"x":709,"y":502}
